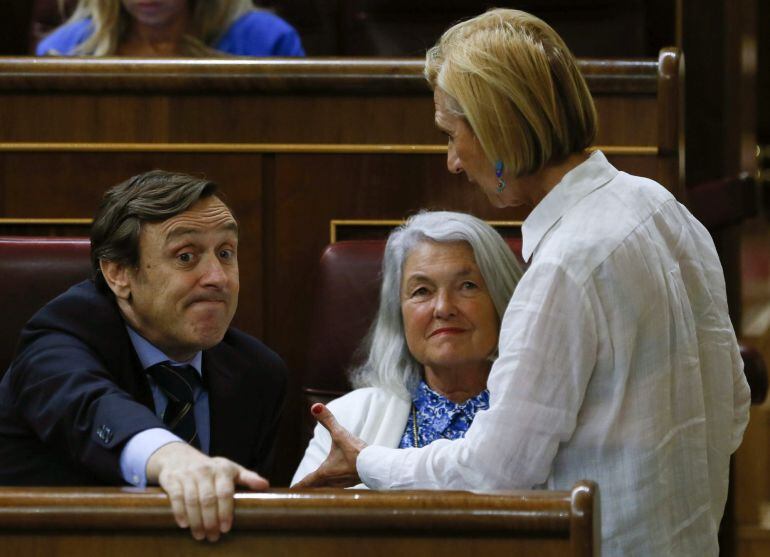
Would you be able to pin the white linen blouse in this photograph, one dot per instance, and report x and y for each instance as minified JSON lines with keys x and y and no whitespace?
{"x":618,"y":363}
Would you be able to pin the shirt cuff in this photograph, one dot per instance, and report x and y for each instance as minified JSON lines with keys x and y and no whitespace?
{"x":374,"y":465}
{"x":139,"y":449}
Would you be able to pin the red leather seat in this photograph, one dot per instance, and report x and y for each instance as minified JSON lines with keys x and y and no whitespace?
{"x":33,"y":270}
{"x":346,"y":301}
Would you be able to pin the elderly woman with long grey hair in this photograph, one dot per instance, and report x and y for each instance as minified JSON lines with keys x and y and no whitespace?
{"x":447,"y":279}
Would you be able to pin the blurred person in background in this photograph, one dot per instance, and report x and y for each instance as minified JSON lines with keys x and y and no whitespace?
{"x":196,"y":28}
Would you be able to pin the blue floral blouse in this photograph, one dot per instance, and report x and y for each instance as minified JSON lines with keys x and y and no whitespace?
{"x":438,"y":417}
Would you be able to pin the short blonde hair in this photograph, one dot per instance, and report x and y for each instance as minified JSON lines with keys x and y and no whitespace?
{"x":209,"y":20}
{"x":516,"y":83}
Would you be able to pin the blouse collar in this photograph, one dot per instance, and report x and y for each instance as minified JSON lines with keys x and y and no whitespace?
{"x":576,"y":184}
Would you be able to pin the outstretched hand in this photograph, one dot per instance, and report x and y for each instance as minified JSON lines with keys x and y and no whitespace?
{"x":339,"y":468}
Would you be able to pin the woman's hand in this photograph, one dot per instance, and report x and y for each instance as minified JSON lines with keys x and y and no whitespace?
{"x":339,"y":468}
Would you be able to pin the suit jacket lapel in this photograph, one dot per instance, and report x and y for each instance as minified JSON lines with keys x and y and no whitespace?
{"x":229,"y":433}
{"x":131,"y":376}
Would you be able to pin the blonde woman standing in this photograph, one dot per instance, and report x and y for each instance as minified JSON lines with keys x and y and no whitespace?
{"x":171,"y":28}
{"x":617,"y":359}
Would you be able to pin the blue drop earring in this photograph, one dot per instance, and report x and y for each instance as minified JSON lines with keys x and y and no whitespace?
{"x":499,"y":167}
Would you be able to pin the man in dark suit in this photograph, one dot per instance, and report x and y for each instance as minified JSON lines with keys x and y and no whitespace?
{"x":137,"y":376}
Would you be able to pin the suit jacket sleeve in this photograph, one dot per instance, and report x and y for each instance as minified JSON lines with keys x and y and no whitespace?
{"x":64,"y":393}
{"x":246,"y":382}
{"x":275,"y":385}
{"x":76,"y":383}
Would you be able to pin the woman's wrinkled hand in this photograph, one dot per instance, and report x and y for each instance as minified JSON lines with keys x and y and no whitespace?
{"x":339,"y":468}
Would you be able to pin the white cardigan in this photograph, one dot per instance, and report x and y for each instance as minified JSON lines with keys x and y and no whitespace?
{"x":376,"y":416}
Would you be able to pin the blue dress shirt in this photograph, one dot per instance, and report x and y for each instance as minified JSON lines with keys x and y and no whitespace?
{"x":139,"y":449}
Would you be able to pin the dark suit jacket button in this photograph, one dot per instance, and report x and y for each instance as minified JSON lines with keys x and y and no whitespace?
{"x":104,"y":433}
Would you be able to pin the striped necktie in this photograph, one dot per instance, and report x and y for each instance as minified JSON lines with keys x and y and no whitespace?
{"x":179,"y":384}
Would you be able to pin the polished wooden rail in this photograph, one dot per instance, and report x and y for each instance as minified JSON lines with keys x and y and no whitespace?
{"x":377,"y":75}
{"x":57,"y":521}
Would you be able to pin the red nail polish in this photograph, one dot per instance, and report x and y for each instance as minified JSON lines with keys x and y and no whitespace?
{"x":316,"y":409}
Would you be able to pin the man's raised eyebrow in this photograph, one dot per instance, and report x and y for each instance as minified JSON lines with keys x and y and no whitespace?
{"x":177,"y":232}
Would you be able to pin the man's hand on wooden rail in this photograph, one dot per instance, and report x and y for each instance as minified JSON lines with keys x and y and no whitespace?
{"x":200,"y":487}
{"x":339,"y":468}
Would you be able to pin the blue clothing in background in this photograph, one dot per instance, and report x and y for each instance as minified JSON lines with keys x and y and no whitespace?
{"x":260,"y":34}
{"x":255,"y":33}
{"x":440,"y":418}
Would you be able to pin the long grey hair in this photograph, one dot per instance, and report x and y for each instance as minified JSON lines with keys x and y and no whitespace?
{"x":389,"y":364}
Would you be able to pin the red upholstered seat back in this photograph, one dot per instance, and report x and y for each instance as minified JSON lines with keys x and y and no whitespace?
{"x":33,"y":271}
{"x":346,"y":302}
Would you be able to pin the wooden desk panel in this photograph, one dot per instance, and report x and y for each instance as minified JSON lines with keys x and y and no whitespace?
{"x":131,"y":544}
{"x":268,"y":101}
{"x":57,"y":117}
{"x":752,"y":541}
{"x":235,"y":118}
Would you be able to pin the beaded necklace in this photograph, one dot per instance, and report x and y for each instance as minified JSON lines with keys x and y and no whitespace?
{"x":415,"y":436}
